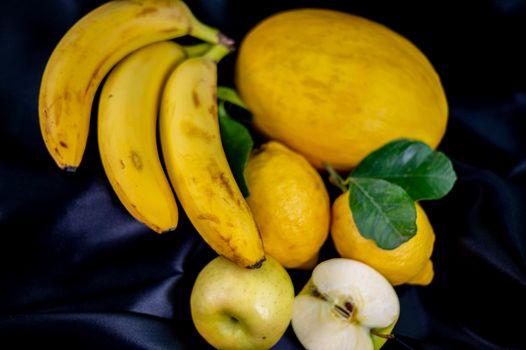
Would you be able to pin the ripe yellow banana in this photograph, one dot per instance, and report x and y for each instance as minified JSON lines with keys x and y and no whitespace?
{"x":86,"y":54}
{"x":127,"y":132}
{"x":197,"y":165}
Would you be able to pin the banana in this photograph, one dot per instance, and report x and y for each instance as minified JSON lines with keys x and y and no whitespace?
{"x":127,"y":132}
{"x":86,"y":54}
{"x":197,"y":49}
{"x":197,"y":165}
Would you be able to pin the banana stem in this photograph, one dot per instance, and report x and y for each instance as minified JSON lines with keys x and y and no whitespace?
{"x":217,"y":52}
{"x":209,"y":34}
{"x":197,"y":49}
{"x":226,"y":41}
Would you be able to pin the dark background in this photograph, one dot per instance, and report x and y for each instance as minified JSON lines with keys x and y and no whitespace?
{"x":77,"y":271}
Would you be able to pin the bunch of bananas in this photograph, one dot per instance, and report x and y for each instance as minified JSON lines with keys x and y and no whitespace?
{"x":154,"y":82}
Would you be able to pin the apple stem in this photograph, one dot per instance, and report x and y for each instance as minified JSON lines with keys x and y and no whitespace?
{"x":382,"y":335}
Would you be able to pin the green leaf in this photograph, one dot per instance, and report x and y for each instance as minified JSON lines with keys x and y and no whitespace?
{"x":412,"y":165}
{"x":230,"y":95}
{"x":237,"y":144}
{"x":234,"y":104}
{"x":382,"y":211}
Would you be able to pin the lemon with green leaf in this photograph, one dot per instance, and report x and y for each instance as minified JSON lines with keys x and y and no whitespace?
{"x":378,"y":220}
{"x":408,"y":263}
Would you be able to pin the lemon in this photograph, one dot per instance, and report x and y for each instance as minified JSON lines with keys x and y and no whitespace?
{"x":334,"y":86}
{"x":290,"y":205}
{"x":408,"y":263}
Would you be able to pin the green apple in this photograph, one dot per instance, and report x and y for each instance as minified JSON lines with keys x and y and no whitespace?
{"x":346,"y":305}
{"x":238,"y":308}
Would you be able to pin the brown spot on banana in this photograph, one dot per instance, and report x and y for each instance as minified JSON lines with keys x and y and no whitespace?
{"x":213,"y":110}
{"x":233,"y":255}
{"x":226,"y":183}
{"x":146,"y":11}
{"x":209,"y":217}
{"x":47,"y":122}
{"x":227,"y":241}
{"x":243,"y":204}
{"x":213,"y":107}
{"x":195,"y":98}
{"x":193,"y":130}
{"x":136,"y":160}
{"x":221,"y":179}
{"x":172,"y":30}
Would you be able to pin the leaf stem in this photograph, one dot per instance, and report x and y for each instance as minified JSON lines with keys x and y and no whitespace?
{"x":336,"y":179}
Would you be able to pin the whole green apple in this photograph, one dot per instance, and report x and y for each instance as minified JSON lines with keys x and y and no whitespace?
{"x":238,"y":308}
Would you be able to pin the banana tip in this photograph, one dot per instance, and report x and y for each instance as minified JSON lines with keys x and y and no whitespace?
{"x":70,"y":168}
{"x":258,"y":264}
{"x":171,"y":229}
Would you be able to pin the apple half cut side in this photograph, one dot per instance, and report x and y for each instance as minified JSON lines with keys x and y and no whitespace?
{"x":345,"y":305}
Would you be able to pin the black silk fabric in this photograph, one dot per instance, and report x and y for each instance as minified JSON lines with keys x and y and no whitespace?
{"x":78,"y":272}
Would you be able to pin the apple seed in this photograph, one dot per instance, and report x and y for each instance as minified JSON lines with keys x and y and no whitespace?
{"x":342,"y":312}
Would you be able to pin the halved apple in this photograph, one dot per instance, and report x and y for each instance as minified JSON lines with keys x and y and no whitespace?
{"x":346,"y":305}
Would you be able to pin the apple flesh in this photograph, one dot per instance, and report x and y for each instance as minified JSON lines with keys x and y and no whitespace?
{"x":346,"y":305}
{"x":237,"y":308}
